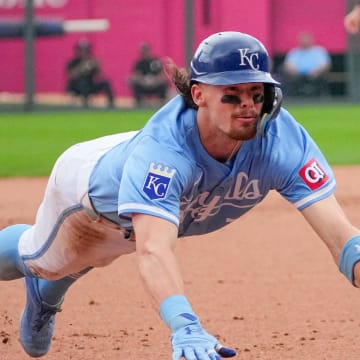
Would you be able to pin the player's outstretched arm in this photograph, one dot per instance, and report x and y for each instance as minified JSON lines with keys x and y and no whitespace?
{"x":155,"y":243}
{"x":342,"y":238}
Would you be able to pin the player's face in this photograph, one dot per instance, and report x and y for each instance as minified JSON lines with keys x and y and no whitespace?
{"x":232,"y":110}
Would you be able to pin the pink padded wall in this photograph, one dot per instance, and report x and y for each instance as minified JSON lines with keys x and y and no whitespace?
{"x":160,"y":22}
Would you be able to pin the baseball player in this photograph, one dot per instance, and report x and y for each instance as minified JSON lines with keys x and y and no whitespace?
{"x":203,"y":160}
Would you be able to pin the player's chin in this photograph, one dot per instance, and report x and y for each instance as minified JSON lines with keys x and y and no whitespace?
{"x":249,"y":135}
{"x":245,"y":133}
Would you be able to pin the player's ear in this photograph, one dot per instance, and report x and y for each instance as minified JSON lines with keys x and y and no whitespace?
{"x":198,"y":94}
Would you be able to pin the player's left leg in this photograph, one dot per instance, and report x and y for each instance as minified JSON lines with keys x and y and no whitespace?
{"x":67,"y":239}
{"x":43,"y":301}
{"x":43,"y":297}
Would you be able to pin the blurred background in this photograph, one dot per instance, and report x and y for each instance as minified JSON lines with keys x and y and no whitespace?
{"x":33,"y":65}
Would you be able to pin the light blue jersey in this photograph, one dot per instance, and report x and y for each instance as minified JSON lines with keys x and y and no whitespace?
{"x":308,"y":60}
{"x":164,"y":171}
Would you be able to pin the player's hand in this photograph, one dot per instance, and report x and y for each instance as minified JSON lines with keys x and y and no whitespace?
{"x":192,"y":342}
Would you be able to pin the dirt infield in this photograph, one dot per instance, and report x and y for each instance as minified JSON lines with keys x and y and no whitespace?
{"x":265,"y":285}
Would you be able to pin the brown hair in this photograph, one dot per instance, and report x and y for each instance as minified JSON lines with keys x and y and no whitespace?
{"x":180,"y":78}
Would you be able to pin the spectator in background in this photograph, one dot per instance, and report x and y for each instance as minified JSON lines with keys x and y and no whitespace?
{"x":83,"y":75}
{"x":352,"y":20}
{"x":148,"y":77}
{"x":305,"y":68}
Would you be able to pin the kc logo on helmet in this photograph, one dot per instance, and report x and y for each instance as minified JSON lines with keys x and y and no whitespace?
{"x":313,"y":175}
{"x":157,"y":181}
{"x":250,"y":59}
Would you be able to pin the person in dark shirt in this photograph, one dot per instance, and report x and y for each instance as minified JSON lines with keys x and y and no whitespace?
{"x":83,"y":72}
{"x":148,"y":78}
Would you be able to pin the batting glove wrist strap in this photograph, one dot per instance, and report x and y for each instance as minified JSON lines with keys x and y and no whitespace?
{"x":176,"y":312}
{"x":350,"y":255}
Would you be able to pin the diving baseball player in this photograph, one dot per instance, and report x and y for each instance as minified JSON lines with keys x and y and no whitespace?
{"x":202,"y":161}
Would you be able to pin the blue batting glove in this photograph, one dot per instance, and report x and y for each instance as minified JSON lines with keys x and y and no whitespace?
{"x":189,"y":340}
{"x":193,"y":343}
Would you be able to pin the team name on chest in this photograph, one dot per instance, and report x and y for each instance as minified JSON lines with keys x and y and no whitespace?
{"x":241,"y":193}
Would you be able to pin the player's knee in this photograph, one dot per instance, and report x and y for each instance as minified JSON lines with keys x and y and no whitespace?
{"x":12,"y":233}
{"x":9,"y":270}
{"x":10,"y":261}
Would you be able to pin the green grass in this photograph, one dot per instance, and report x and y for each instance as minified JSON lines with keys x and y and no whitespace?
{"x":336,"y":130}
{"x":31,"y":142}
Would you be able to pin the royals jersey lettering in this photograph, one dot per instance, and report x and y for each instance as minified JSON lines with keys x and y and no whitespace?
{"x":178,"y":181}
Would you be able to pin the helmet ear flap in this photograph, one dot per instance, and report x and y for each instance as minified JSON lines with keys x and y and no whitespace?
{"x":272,"y":104}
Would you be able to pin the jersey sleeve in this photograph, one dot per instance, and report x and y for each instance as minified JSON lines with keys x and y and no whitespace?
{"x":300,"y":171}
{"x":152,"y":182}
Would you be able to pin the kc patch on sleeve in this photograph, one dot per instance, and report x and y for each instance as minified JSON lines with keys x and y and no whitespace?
{"x":313,"y":174}
{"x":157,"y":181}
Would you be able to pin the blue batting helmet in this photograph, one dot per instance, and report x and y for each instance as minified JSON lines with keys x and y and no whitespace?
{"x":229,"y":58}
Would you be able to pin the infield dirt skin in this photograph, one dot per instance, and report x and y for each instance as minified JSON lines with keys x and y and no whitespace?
{"x":265,"y":285}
